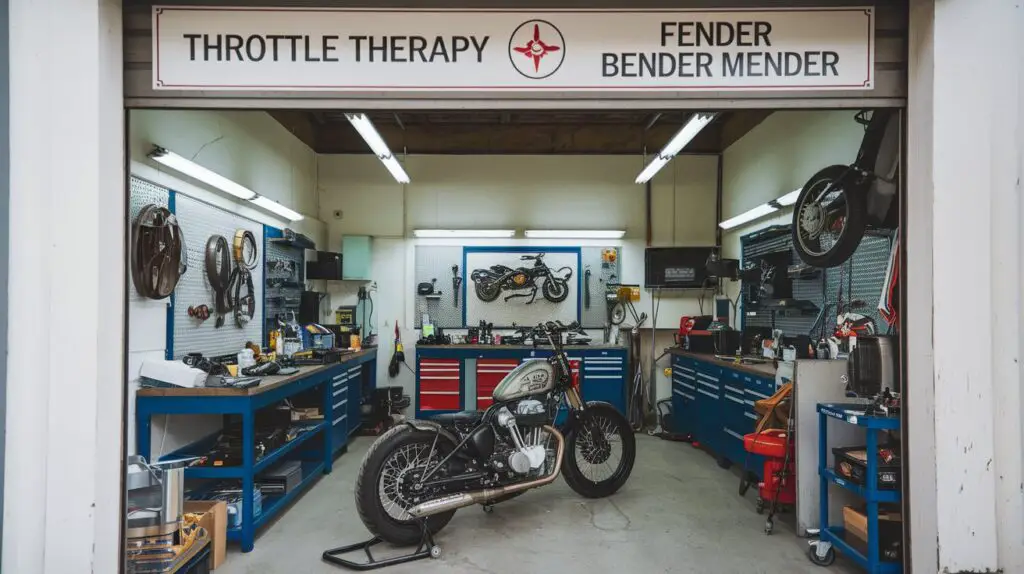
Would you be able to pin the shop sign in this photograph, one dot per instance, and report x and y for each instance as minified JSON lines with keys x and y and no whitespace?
{"x":293,"y":49}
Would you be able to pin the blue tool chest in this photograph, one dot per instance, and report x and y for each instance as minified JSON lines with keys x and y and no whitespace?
{"x":713,"y":402}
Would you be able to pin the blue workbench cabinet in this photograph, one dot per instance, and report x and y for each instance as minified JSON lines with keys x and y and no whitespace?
{"x":340,"y":388}
{"x":713,"y":403}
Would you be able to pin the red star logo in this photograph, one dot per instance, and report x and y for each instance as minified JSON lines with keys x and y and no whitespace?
{"x":536,"y":48}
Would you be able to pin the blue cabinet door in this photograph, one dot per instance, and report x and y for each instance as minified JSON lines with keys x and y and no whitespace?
{"x":355,"y":395}
{"x":339,"y":411}
{"x":709,"y":402}
{"x":604,"y":377}
{"x":684,"y":397}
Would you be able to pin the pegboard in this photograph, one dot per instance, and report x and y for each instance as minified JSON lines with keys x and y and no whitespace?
{"x":143,"y":193}
{"x":435,"y":262}
{"x":601,"y":275}
{"x":502,"y":313}
{"x":199,"y":221}
{"x":285,"y":278}
{"x":862,"y":275}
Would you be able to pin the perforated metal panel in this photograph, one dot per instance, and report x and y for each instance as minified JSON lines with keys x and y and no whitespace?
{"x":199,"y":221}
{"x":143,"y":193}
{"x":862,"y":276}
{"x":435,"y":262}
{"x":601,"y":275}
{"x":285,"y":276}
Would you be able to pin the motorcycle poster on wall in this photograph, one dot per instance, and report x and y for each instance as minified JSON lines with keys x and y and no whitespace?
{"x":506,"y":286}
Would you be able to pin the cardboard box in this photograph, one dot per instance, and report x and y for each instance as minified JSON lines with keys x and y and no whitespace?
{"x":215,"y":521}
{"x":856,"y":521}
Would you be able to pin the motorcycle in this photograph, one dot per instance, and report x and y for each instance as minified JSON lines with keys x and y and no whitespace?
{"x":489,"y":283}
{"x":416,"y":475}
{"x":839,"y":203}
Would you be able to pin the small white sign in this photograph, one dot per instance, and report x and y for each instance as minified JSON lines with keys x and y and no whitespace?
{"x":335,"y":49}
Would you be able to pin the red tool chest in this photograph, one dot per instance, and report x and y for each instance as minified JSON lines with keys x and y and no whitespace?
{"x":439,"y":385}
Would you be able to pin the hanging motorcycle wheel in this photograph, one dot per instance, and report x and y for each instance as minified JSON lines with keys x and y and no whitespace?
{"x":829,"y":217}
{"x":555,"y":290}
{"x":487,"y":292}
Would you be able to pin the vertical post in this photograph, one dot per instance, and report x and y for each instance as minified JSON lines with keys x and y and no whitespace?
{"x":143,"y":428}
{"x":328,"y":431}
{"x":872,"y":498}
{"x":248,"y":476}
{"x":822,"y":465}
{"x":66,"y":108}
{"x":5,"y":191}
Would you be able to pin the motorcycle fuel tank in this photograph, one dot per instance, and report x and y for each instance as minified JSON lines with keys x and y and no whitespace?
{"x":533,"y":377}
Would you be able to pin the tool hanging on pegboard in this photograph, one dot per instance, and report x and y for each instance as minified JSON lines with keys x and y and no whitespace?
{"x":456,"y":283}
{"x":586,"y":288}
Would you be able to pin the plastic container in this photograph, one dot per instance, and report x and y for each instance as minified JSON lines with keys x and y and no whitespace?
{"x":246,"y":359}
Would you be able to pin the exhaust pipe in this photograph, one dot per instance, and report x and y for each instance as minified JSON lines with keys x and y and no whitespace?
{"x":454,"y":501}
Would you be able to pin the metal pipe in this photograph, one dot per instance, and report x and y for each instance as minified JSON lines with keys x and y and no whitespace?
{"x":455,"y":501}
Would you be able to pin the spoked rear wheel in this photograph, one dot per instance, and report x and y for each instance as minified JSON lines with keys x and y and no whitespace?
{"x":601,"y":451}
{"x":829,"y":217}
{"x":384,"y":489}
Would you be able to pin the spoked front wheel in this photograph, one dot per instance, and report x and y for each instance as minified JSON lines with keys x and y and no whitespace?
{"x":601,"y":451}
{"x":829,"y":217}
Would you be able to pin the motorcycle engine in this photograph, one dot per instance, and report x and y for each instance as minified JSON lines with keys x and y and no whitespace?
{"x":529,"y":452}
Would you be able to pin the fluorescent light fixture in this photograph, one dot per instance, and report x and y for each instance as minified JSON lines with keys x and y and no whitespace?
{"x":790,"y":198}
{"x":196,"y":171}
{"x":445,"y":233}
{"x":575,"y":233}
{"x":696,"y":123}
{"x":276,"y":208}
{"x":364,"y":126}
{"x":748,"y":216}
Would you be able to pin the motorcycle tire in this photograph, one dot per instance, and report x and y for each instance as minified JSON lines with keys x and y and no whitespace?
{"x":487,"y":292}
{"x":856,"y":219}
{"x":555,"y":290}
{"x":368,"y":500}
{"x":574,"y":477}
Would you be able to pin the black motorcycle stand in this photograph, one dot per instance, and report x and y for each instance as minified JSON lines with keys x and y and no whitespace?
{"x":427,"y":549}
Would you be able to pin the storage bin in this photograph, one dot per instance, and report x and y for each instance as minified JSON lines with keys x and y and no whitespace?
{"x":851,"y":463}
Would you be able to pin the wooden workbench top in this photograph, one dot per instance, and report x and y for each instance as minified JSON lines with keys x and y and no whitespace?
{"x":761,"y":370}
{"x":267,"y":384}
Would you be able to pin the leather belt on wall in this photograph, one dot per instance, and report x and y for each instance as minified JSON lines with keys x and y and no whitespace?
{"x":246,"y":259}
{"x":159,"y":256}
{"x":218,"y":272}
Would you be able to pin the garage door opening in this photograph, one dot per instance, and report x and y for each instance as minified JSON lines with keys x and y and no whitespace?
{"x":342,"y":271}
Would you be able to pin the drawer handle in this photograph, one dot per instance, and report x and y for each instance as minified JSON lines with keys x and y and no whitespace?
{"x":703,"y":392}
{"x":339,"y":419}
{"x":341,"y":390}
{"x":691,"y":387}
{"x":684,"y":395}
{"x":732,"y":433}
{"x":733,"y":399}
{"x":757,"y":394}
{"x":733,"y":389}
{"x":749,"y":402}
{"x":614,"y":377}
{"x":345,"y":401}
{"x":751,"y":415}
{"x":709,"y":385}
{"x":339,"y":377}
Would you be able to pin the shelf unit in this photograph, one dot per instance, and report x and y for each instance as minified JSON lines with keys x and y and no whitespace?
{"x":872,"y":495}
{"x":340,"y":387}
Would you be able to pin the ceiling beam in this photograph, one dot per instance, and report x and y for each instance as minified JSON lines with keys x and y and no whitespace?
{"x":300,"y":124}
{"x":739,"y":124}
{"x":339,"y":138}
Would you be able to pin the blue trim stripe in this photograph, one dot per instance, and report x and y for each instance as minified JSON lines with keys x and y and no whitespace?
{"x":169,"y":352}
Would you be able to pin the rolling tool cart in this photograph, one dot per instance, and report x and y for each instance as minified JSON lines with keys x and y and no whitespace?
{"x":866,"y":484}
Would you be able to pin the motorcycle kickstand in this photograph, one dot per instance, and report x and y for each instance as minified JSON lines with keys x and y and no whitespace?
{"x":427,"y":548}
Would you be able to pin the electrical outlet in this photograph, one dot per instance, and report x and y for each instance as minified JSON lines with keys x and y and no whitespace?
{"x":338,"y":214}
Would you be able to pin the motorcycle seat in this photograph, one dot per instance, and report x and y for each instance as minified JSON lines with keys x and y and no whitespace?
{"x":463,"y":417}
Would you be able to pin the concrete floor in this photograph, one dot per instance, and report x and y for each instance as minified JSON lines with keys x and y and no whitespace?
{"x":679,"y":512}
